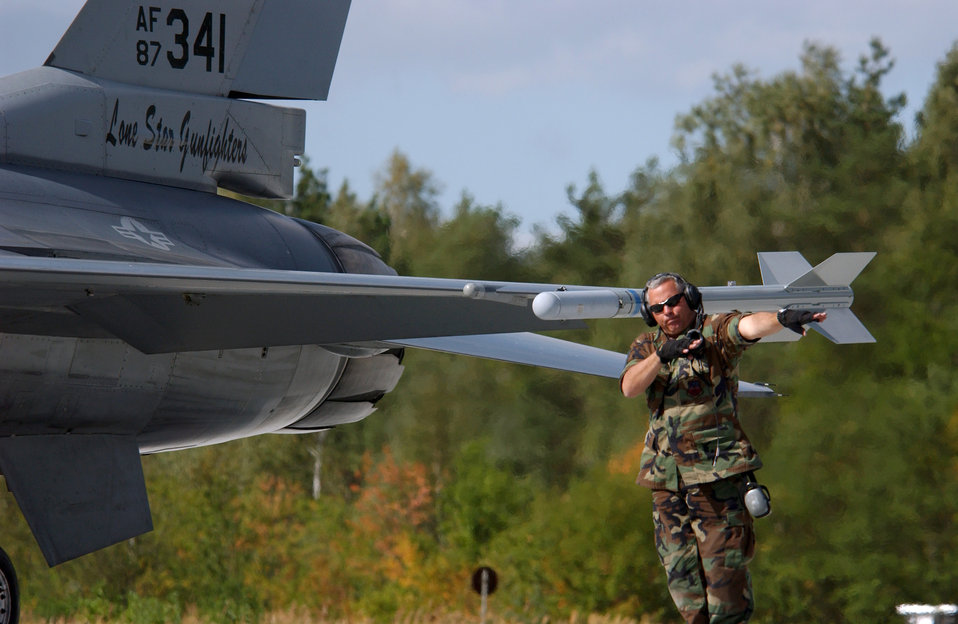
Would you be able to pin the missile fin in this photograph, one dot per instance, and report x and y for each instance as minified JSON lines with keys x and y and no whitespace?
{"x":843,"y":327}
{"x":781,"y":267}
{"x":839,"y":269}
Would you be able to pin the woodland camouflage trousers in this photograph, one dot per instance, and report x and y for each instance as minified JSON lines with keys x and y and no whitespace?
{"x":705,"y":540}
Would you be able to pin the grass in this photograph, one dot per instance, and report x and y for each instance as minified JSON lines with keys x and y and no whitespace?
{"x":297,"y":616}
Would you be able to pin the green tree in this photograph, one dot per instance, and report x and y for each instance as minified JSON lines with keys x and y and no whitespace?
{"x":408,"y":197}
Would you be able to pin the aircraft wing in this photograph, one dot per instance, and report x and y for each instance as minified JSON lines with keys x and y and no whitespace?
{"x":161,"y":308}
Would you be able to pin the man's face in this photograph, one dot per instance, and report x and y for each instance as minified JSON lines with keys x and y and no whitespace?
{"x":673,"y":319}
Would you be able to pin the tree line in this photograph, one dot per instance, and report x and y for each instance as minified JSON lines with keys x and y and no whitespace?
{"x":531,"y":471}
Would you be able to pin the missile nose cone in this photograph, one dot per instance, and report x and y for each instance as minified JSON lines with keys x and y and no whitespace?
{"x":547,"y":306}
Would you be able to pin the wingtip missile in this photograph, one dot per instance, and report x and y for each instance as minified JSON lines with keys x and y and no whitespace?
{"x":789,"y":281}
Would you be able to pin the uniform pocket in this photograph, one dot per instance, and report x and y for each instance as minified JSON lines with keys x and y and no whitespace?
{"x":740,"y":546}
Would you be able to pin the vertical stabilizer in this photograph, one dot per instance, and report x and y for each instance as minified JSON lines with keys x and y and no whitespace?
{"x":283,"y":49}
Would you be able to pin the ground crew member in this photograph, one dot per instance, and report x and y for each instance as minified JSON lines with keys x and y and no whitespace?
{"x":696,"y":454}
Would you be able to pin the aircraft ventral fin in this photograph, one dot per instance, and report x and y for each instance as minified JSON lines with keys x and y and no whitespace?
{"x":78,"y":493}
{"x":234,"y":48}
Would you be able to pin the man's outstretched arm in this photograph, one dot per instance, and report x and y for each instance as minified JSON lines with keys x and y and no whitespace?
{"x":761,"y":324}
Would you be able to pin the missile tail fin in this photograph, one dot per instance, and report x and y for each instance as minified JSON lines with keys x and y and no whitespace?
{"x":843,"y":327}
{"x":839,"y":269}
{"x":781,"y":267}
{"x":792,"y":270}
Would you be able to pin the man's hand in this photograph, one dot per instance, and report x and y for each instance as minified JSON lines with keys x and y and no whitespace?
{"x":672,"y":349}
{"x":796,"y":320}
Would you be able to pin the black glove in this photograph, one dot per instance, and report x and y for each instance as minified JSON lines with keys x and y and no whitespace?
{"x":795,"y":320}
{"x":676,"y":348}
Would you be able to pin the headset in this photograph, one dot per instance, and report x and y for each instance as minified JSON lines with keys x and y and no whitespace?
{"x":692,"y":296}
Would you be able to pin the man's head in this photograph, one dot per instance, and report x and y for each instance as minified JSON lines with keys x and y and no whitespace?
{"x":671,"y":303}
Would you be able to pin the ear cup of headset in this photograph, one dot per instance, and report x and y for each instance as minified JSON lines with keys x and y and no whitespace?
{"x":693,"y":296}
{"x":644,"y":309}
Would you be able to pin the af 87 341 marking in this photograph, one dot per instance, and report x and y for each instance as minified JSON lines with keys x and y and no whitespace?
{"x":209,"y":42}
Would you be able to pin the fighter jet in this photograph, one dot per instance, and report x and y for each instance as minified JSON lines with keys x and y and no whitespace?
{"x":142,"y":312}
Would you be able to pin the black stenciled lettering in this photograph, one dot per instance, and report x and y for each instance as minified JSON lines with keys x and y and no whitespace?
{"x":180,"y":39}
{"x":162,"y":138}
{"x":219,"y":144}
{"x":222,"y":42}
{"x":142,"y":52}
{"x":167,"y":136}
{"x":184,"y":138}
{"x":141,"y":20}
{"x":144,"y":22}
{"x":148,"y":141}
{"x":203,"y":46}
{"x":109,"y":133}
{"x":143,"y":56}
{"x":125,"y":132}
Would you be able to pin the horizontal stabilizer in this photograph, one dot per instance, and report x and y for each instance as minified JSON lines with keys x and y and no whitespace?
{"x":78,"y":493}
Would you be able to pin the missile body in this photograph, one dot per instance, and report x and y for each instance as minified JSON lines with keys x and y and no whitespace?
{"x":626,"y":302}
{"x":789,"y":282}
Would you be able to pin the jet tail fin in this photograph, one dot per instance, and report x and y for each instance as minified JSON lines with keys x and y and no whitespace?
{"x":791,"y":269}
{"x":234,"y":48}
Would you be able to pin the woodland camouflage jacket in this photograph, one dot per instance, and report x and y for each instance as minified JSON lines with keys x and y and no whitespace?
{"x":694,"y":431}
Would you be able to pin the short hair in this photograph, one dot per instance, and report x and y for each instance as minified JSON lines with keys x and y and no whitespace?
{"x":660,"y":278}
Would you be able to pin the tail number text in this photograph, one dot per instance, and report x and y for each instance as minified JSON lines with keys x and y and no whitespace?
{"x":177,"y":40}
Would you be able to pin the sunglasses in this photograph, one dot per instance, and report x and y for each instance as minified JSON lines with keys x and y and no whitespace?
{"x":672,"y":301}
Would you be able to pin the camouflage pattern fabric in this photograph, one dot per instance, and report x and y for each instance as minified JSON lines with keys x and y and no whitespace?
{"x":694,"y":458}
{"x":705,"y":541}
{"x":694,"y":432}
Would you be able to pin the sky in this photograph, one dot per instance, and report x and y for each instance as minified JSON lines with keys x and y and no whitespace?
{"x":515,"y":100}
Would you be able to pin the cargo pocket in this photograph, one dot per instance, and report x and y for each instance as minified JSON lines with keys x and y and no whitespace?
{"x":740,"y":546}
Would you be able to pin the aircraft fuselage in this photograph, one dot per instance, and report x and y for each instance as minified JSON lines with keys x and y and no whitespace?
{"x":60,"y":373}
